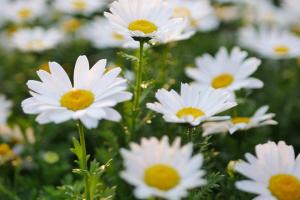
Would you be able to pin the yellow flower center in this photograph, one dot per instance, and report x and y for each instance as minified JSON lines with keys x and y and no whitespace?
{"x":162,"y":177}
{"x":282,"y":50}
{"x":181,"y":12}
{"x":222,"y":81}
{"x":79,"y":4}
{"x":296,"y":29}
{"x":71,"y":25}
{"x":285,"y":187}
{"x":142,"y":25}
{"x":118,"y":36}
{"x":77,"y":99}
{"x":5,"y":150}
{"x":190,"y":111}
{"x":10,"y":31}
{"x":33,"y":44}
{"x":238,"y":120}
{"x":45,"y":66}
{"x":24,"y":13}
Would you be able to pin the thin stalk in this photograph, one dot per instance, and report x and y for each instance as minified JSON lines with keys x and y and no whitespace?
{"x":84,"y":160}
{"x":137,"y":89}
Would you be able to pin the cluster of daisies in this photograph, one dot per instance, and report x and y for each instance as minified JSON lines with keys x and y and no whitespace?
{"x":26,"y":24}
{"x":157,"y":167}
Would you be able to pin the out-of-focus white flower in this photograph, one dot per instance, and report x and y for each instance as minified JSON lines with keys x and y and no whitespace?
{"x":15,"y":135}
{"x":70,"y":25}
{"x":274,"y":172}
{"x":226,"y":70}
{"x":292,"y":12}
{"x":157,"y":168}
{"x":5,"y":107}
{"x":36,"y":39}
{"x":192,"y":105}
{"x":260,"y":118}
{"x":179,"y":33}
{"x":100,"y":33}
{"x":271,"y":43}
{"x":16,"y":138}
{"x":23,"y":11}
{"x":85,"y":7}
{"x":227,"y":13}
{"x":142,"y":19}
{"x":92,"y":97}
{"x":195,"y":12}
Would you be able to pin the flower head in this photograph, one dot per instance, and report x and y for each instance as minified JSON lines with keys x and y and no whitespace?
{"x":24,"y":11}
{"x":193,"y":11}
{"x":85,"y":7}
{"x":102,"y":35}
{"x":89,"y":99}
{"x":142,"y":19}
{"x":36,"y":39}
{"x":193,"y":105}
{"x":226,"y":70}
{"x":274,"y":173}
{"x":271,"y":43}
{"x":260,"y":118}
{"x":157,"y":168}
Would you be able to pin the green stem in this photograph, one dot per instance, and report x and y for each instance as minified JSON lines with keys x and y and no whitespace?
{"x":84,"y":160}
{"x":137,"y":89}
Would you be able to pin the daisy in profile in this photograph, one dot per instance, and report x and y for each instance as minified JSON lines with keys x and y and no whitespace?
{"x":102,"y":35}
{"x":260,"y":118}
{"x":91,"y":98}
{"x":274,"y":173}
{"x":5,"y":106}
{"x":157,"y":168}
{"x":23,"y":11}
{"x":36,"y":39}
{"x":271,"y":43}
{"x":227,"y":70}
{"x":193,"y":11}
{"x":192,"y":105}
{"x":84,"y":7}
{"x":142,"y":19}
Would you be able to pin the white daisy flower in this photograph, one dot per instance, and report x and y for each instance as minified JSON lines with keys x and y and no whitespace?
{"x":209,"y":23}
{"x":179,"y":33}
{"x":193,"y":105}
{"x":193,"y":11}
{"x":100,"y":33}
{"x":15,"y":136}
{"x":85,"y":7}
{"x":159,"y":169}
{"x":24,"y":11}
{"x":142,"y":18}
{"x":89,"y":100}
{"x":228,"y":71}
{"x":260,"y":118}
{"x":292,"y":7}
{"x":274,"y":173}
{"x":5,"y":107}
{"x":70,"y":25}
{"x":271,"y":43}
{"x":36,"y":39}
